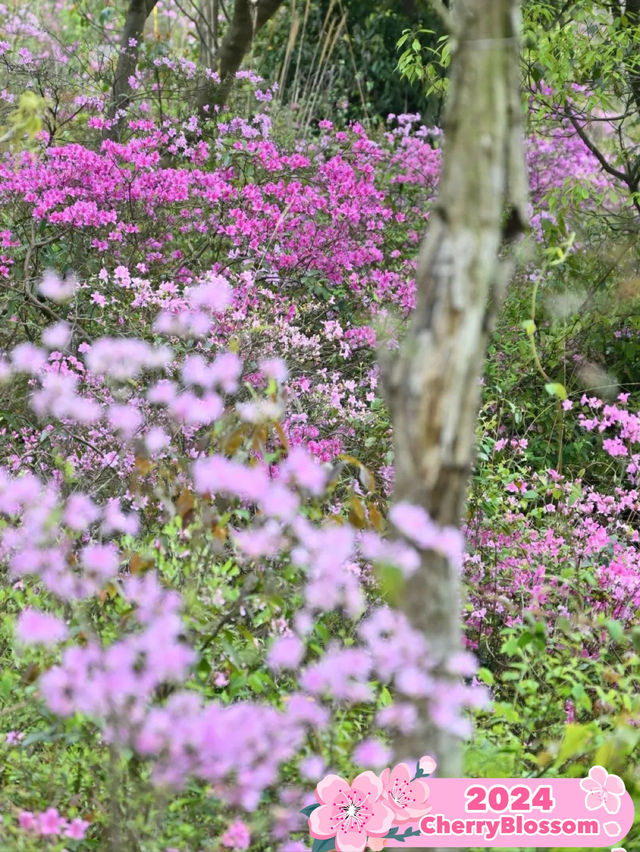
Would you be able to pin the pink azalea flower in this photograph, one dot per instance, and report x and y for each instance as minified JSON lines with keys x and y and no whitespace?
{"x":350,"y":813}
{"x":371,"y":752}
{"x":13,"y":738}
{"x":50,"y":822}
{"x":34,"y":627}
{"x":77,"y":829}
{"x":286,"y":653}
{"x":603,"y":790}
{"x":407,"y":798}
{"x":27,"y":821}
{"x":237,"y":836}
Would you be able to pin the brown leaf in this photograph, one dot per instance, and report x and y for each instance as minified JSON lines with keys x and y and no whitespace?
{"x":357,"y":515}
{"x":375,"y":516}
{"x":283,"y":438}
{"x":31,"y":674}
{"x":234,"y":441}
{"x":144,"y":466}
{"x":220,"y":532}
{"x":260,"y":435}
{"x":611,"y":676}
{"x":139,"y":564}
{"x":185,"y":503}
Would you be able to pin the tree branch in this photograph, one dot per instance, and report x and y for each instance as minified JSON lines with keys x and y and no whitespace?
{"x":597,"y":153}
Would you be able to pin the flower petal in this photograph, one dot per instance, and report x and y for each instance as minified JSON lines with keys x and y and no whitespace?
{"x":414,"y":813}
{"x":593,"y":801}
{"x":598,"y":774}
{"x":351,"y":841}
{"x":380,"y":820}
{"x":589,"y":785}
{"x":614,"y":784}
{"x":420,"y":790}
{"x":330,"y":788}
{"x":368,"y":784}
{"x":320,"y":824}
{"x":401,"y":772}
{"x":612,"y":828}
{"x":611,"y":803}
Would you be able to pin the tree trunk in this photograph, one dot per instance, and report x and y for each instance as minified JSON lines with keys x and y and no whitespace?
{"x":249,"y":16}
{"x":208,"y":32}
{"x":434,"y":386}
{"x":137,"y":14}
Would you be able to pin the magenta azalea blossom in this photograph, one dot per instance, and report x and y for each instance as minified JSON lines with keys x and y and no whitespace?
{"x":350,"y":813}
{"x":50,"y":822}
{"x":407,"y":798}
{"x":603,"y":790}
{"x":77,"y":829}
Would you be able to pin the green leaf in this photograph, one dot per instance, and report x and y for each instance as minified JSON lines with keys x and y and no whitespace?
{"x":529,"y":326}
{"x":327,"y":845}
{"x":576,"y":737}
{"x":309,"y":809}
{"x":616,"y":630}
{"x":556,"y":389}
{"x":486,"y":676}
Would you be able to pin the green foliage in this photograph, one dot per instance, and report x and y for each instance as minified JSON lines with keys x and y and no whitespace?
{"x":422,"y":63}
{"x":24,"y":121}
{"x":360,"y":79}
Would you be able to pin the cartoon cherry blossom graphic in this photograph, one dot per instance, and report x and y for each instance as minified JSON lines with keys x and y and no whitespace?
{"x":352,"y":813}
{"x":603,"y":790}
{"x":427,"y":764}
{"x":406,"y":796}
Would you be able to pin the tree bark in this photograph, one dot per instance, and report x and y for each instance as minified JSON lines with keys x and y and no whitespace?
{"x":249,"y":16}
{"x":137,"y":14}
{"x":434,"y":385}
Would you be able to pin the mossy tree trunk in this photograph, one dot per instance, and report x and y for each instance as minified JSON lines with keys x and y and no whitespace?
{"x":249,"y":16}
{"x":132,"y":34}
{"x":465,"y":264}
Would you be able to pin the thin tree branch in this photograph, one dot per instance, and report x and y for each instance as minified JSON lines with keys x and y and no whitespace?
{"x":597,"y":153}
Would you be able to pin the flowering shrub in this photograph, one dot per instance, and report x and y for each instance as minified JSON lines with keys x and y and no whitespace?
{"x":254,"y":511}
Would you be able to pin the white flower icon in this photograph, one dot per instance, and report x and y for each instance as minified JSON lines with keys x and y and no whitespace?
{"x":603,"y":790}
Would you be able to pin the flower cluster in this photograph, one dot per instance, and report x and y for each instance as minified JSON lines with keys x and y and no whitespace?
{"x":363,"y":812}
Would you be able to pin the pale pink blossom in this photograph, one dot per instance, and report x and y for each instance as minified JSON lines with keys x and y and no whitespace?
{"x":602,"y":790}
{"x":57,"y":289}
{"x":406,"y":796}
{"x":41,"y":628}
{"x":351,"y":813}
